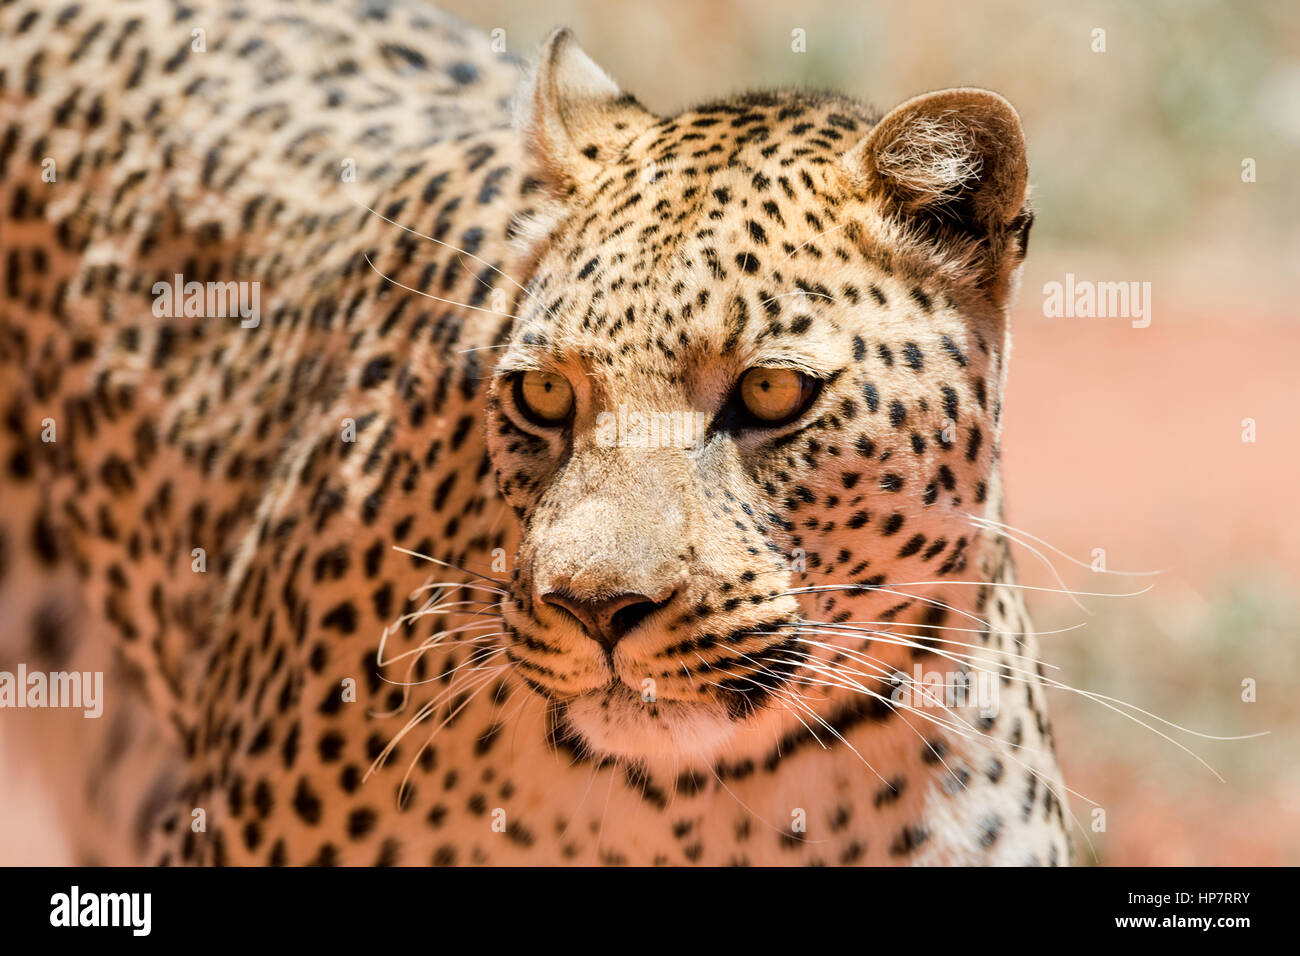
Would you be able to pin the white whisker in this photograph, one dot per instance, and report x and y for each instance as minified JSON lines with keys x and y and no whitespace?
{"x":1000,"y":525}
{"x":464,"y":252}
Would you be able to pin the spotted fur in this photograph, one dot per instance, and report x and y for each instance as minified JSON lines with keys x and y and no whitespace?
{"x":748,"y":714}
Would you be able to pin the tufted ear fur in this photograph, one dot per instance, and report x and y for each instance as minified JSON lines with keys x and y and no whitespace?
{"x":951,"y":168}
{"x":574,"y":118}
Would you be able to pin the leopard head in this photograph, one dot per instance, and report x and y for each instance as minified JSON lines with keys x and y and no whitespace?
{"x":751,"y":398}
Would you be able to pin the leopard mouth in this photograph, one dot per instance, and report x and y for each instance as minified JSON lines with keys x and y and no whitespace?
{"x":619,"y":721}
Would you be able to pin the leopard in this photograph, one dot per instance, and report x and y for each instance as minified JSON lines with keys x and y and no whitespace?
{"x":447,"y":460}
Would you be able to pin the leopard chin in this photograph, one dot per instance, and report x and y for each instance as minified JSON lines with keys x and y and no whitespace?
{"x":617,"y":722}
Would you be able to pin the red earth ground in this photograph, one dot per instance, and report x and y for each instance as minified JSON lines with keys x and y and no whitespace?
{"x":1130,"y":440}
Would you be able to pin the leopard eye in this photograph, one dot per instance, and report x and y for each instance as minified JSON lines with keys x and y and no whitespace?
{"x":544,"y":398}
{"x":775,"y":396}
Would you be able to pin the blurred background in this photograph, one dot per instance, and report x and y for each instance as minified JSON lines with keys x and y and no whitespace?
{"x":1117,"y":438}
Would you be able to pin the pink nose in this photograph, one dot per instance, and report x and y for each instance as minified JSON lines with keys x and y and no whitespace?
{"x":609,"y":619}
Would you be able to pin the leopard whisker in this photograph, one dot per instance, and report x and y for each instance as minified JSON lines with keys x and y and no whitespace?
{"x":433,"y":640}
{"x":781,"y":677}
{"x":786,"y":295}
{"x":973,"y":630}
{"x":410,"y":669}
{"x":447,"y":245}
{"x":980,"y":737}
{"x":897,"y":706}
{"x":436,"y":298}
{"x":1001,"y":526}
{"x":455,"y":567}
{"x":824,"y":232}
{"x":949,"y":582}
{"x":441,"y":676}
{"x":477,"y":665}
{"x":484,"y":683}
{"x":899,"y":640}
{"x":891,"y":637}
{"x":1110,"y":703}
{"x":1042,"y":559}
{"x":503,"y":345}
{"x":881,"y":589}
{"x":799,"y":703}
{"x":970,"y":731}
{"x":426,"y":709}
{"x":1057,"y":684}
{"x":818,"y":718}
{"x":956,"y":657}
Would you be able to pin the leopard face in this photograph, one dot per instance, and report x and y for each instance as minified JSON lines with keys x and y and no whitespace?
{"x":751,"y":394}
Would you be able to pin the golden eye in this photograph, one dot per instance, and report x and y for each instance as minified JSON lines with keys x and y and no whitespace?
{"x":544,"y":398}
{"x":776,"y":396}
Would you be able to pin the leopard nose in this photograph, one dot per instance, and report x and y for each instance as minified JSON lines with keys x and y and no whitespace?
{"x":607,"y":620}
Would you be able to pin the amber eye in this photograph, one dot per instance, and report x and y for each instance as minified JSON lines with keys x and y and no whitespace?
{"x":544,"y":398}
{"x":775,"y":396}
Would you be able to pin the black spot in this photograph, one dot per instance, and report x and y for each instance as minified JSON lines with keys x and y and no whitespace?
{"x":44,"y":540}
{"x":50,"y":636}
{"x":909,"y":839}
{"x":445,"y":855}
{"x":376,"y":371}
{"x":890,"y":792}
{"x":914,"y":544}
{"x":306,"y":803}
{"x":463,"y":73}
{"x":989,"y":827}
{"x":330,"y":746}
{"x":403,"y":57}
{"x":949,"y":402}
{"x":934,"y":751}
{"x":343,"y":618}
{"x":360,"y":822}
{"x":951,"y":348}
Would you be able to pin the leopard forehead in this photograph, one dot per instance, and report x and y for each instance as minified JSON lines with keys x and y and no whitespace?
{"x":729,"y":232}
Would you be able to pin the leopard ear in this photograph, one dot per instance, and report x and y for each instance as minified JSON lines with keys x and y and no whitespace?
{"x":951,"y":167}
{"x":574,"y":118}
